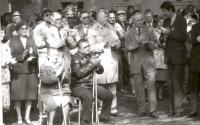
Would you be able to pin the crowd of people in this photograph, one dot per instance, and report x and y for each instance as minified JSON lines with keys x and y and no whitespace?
{"x":64,"y":49}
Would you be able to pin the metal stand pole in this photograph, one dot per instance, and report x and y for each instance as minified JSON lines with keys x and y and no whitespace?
{"x":59,"y":85}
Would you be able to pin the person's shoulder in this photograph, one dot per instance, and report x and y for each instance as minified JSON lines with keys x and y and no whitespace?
{"x":195,"y":26}
{"x":77,"y":26}
{"x":13,"y":40}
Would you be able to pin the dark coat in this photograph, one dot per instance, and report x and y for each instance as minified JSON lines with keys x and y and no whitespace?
{"x":82,"y":69}
{"x":175,"y":50}
{"x":141,"y":55}
{"x":73,"y":21}
{"x":195,"y":51}
{"x":17,"y":50}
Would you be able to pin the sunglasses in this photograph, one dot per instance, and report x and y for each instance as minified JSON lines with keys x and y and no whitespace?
{"x":86,"y":17}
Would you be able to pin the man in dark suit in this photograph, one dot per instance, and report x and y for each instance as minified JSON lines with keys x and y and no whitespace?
{"x":148,"y":14}
{"x":175,"y":35}
{"x":84,"y":26}
{"x":195,"y":69}
{"x":140,"y":41}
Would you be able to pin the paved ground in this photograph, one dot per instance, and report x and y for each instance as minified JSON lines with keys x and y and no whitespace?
{"x":127,"y":107}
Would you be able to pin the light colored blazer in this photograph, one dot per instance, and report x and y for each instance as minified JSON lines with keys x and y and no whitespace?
{"x":141,"y":54}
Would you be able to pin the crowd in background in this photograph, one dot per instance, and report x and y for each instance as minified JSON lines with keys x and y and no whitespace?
{"x":143,"y":50}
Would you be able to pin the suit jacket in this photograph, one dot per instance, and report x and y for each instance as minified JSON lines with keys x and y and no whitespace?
{"x":154,"y":24}
{"x":17,"y":50}
{"x":141,"y":54}
{"x":195,"y":51}
{"x":81,"y":32}
{"x":175,"y":50}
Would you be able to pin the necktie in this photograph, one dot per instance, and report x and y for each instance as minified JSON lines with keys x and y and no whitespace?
{"x":59,"y":33}
{"x":139,"y":31}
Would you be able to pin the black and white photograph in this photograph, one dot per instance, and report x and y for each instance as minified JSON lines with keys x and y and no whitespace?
{"x":100,"y":62}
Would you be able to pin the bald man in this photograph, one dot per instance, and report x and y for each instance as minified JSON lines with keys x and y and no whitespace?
{"x":103,"y":37}
{"x":140,"y":41}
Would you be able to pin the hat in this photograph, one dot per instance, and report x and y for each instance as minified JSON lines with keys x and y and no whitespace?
{"x":16,"y":13}
{"x":121,"y":12}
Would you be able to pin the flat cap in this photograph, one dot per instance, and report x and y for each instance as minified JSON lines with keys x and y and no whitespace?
{"x":16,"y":13}
{"x":121,"y":12}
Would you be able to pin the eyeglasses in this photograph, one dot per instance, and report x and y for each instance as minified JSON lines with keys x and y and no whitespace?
{"x":86,"y":17}
{"x":24,"y":28}
{"x":47,"y":14}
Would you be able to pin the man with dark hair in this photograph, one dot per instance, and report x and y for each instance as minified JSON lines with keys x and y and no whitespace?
{"x":129,"y":11}
{"x":93,"y":17}
{"x":83,"y":66}
{"x":84,"y":26}
{"x":175,"y":35}
{"x":148,"y":14}
{"x":76,"y":8}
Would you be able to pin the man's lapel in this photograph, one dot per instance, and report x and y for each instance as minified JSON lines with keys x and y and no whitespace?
{"x":81,"y":31}
{"x":20,"y":44}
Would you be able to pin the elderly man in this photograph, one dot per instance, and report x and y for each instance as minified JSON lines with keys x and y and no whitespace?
{"x":84,"y":63}
{"x":16,"y":18}
{"x":84,"y":26}
{"x":103,"y":38}
{"x":175,"y":35}
{"x":148,"y":14}
{"x":140,"y":41}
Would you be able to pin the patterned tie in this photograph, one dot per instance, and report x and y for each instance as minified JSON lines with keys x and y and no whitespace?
{"x":139,"y":31}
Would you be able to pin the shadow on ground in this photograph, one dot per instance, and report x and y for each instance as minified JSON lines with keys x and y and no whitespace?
{"x":127,"y":107}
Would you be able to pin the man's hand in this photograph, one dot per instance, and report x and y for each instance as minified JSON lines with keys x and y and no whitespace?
{"x":96,"y":61}
{"x":198,"y":38}
{"x":41,"y":44}
{"x":165,"y":31}
{"x":13,"y":61}
{"x":30,"y":59}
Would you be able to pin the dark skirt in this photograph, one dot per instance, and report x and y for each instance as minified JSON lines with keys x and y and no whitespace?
{"x":162,"y":75}
{"x":24,"y":86}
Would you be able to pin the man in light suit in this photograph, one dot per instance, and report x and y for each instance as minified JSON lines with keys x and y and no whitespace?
{"x":140,"y":41}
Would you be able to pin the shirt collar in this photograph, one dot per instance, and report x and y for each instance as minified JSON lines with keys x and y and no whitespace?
{"x":173,"y":17}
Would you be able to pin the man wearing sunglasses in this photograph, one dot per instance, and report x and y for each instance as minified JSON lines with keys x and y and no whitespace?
{"x":84,"y":26}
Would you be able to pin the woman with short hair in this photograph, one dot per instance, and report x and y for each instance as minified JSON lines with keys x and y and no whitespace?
{"x":23,"y":73}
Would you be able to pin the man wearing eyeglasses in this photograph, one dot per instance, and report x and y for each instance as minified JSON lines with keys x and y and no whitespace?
{"x":84,"y":26}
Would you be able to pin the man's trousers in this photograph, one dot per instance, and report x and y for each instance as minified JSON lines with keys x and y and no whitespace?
{"x":85,"y":94}
{"x":139,"y":83}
